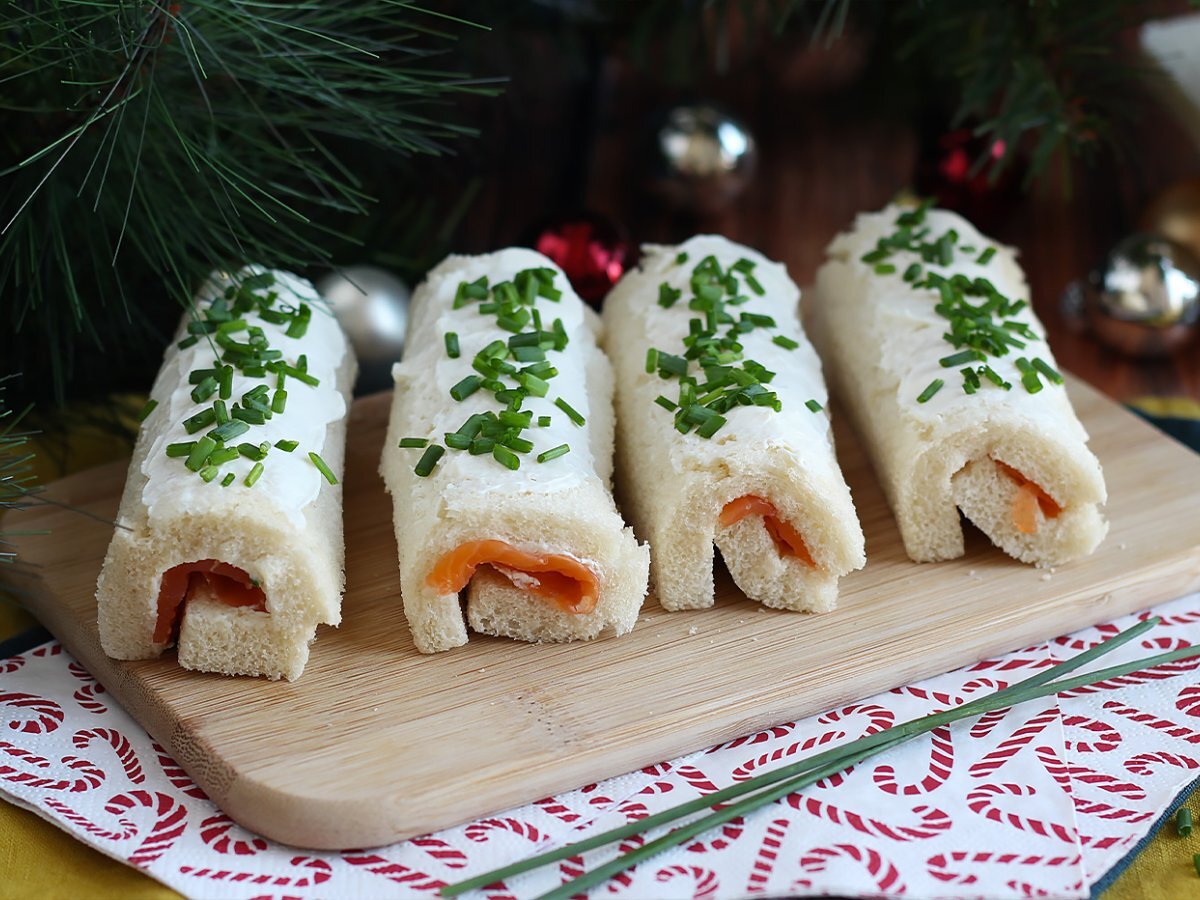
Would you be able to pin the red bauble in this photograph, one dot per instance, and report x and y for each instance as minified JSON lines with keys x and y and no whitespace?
{"x":592,"y":250}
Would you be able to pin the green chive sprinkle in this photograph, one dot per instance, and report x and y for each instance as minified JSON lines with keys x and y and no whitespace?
{"x":228,"y":479}
{"x":1046,"y":369}
{"x":1196,"y":862}
{"x":189,"y":341}
{"x":176,"y":451}
{"x":231,"y":429}
{"x":554,"y":453}
{"x":667,"y":295}
{"x":570,"y":411}
{"x":957,"y":359}
{"x":147,"y":409}
{"x":543,"y":421}
{"x":680,"y":259}
{"x":202,"y":419}
{"x":913,"y":272}
{"x":785,"y":342}
{"x":506,"y":457}
{"x":651,"y":359}
{"x":322,"y":467}
{"x":986,"y":256}
{"x":414,"y":443}
{"x":1183,"y":821}
{"x":255,"y":474}
{"x":429,"y":459}
{"x":813,"y":405}
{"x":287,"y":446}
{"x":884,"y":269}
{"x":198,"y":457}
{"x":934,"y":386}
{"x":666,"y":403}
{"x":208,"y":473}
{"x":466,"y":387}
{"x":452,"y":345}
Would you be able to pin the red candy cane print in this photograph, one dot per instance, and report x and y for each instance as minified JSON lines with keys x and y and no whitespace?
{"x":170,"y":822}
{"x":946,"y":699}
{"x":1089,"y":638}
{"x":1188,"y":701}
{"x":1016,"y":662}
{"x":120,"y":745}
{"x":774,"y":733}
{"x":983,"y":800}
{"x":47,"y":650}
{"x":482,"y":831}
{"x":86,"y":698}
{"x":1186,"y":618}
{"x":1014,"y":743}
{"x":440,"y":851}
{"x":886,"y":876}
{"x":315,"y":871}
{"x":80,"y":672}
{"x":1143,"y":764}
{"x":11,"y":664}
{"x":216,"y":830}
{"x":552,"y":806}
{"x":180,"y":780}
{"x":82,"y":775}
{"x":633,"y":811}
{"x":933,"y":821}
{"x":1101,"y":737}
{"x":987,"y":722}
{"x":704,"y":881}
{"x":1075,"y":779}
{"x":33,"y":714}
{"x":768,"y":854}
{"x":395,"y":872}
{"x":696,"y":779}
{"x":1165,"y":670}
{"x":941,"y":763}
{"x":728,"y":834}
{"x":960,"y":867}
{"x":1174,"y":729}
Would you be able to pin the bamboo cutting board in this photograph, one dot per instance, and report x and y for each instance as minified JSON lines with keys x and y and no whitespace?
{"x":377,"y":742}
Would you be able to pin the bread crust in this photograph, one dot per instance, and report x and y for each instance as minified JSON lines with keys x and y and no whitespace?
{"x":881,"y":341}
{"x":673,"y":487}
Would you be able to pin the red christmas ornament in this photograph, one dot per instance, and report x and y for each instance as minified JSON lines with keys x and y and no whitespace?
{"x":592,"y":250}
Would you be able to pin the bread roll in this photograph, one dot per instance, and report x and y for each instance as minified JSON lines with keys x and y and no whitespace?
{"x":765,"y":486}
{"x":1015,"y":462}
{"x":529,"y":530}
{"x":235,"y":560}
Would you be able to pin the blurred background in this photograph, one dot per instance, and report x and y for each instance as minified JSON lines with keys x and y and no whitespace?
{"x":146,"y":144}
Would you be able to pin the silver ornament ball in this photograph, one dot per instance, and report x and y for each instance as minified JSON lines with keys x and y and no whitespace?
{"x":1146,"y":297}
{"x":371,"y":305}
{"x":703,"y":157}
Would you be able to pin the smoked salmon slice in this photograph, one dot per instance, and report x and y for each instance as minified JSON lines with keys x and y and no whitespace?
{"x":787,"y":540}
{"x":563,"y":579}
{"x":229,"y":584}
{"x":1029,"y":498}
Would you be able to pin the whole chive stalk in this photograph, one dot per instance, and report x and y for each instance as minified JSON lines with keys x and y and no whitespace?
{"x":795,"y":776}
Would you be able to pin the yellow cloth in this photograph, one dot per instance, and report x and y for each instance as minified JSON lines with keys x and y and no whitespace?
{"x":40,"y":862}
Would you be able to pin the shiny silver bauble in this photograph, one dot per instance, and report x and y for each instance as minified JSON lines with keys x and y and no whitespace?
{"x":703,"y":157}
{"x":371,"y":304}
{"x":1145,"y":299}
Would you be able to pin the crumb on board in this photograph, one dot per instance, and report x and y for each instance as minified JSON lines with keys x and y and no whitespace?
{"x":1047,"y":576}
{"x":1121,"y":546}
{"x":693,"y":630}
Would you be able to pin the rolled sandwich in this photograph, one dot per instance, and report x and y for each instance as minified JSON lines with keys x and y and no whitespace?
{"x":926,"y":328}
{"x":229,"y":534}
{"x":722,"y":435}
{"x":499,"y":461}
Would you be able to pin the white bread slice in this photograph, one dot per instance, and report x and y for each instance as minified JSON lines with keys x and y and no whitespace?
{"x":292,"y":545}
{"x":674,"y":486}
{"x":561,"y":507}
{"x":881,"y":340}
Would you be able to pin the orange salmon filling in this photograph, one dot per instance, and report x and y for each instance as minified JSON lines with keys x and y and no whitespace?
{"x":564,"y":580}
{"x":787,"y":539}
{"x":1030,"y":497}
{"x":229,"y":584}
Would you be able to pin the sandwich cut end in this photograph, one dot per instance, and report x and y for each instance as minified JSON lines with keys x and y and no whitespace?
{"x":180,"y":584}
{"x":788,"y":541}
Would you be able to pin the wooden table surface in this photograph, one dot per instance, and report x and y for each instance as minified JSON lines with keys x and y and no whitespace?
{"x":555,"y":145}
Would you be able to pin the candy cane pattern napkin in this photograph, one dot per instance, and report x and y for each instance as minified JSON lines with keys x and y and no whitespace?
{"x":1039,"y":800}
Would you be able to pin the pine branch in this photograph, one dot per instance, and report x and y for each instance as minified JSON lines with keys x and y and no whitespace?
{"x":149,"y":142}
{"x":16,"y":478}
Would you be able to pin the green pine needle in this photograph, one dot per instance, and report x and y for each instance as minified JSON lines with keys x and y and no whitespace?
{"x":773,"y":785}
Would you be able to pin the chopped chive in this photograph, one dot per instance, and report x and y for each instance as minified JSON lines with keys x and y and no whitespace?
{"x":668,"y":296}
{"x":429,"y":459}
{"x":884,"y":269}
{"x":225,"y":379}
{"x":198,"y":456}
{"x":202,"y":419}
{"x":651,"y":359}
{"x":986,"y":256}
{"x":252,"y":452}
{"x":228,"y":479}
{"x":570,"y":411}
{"x":146,"y":410}
{"x":519,"y":444}
{"x":223,"y":455}
{"x":413,"y":443}
{"x":1196,"y":862}
{"x":933,"y":388}
{"x":204,"y":389}
{"x":208,"y":473}
{"x":279,"y":401}
{"x":287,"y":446}
{"x":785,"y":342}
{"x":1032,"y":383}
{"x":913,"y":272}
{"x":1183,"y":821}
{"x":506,"y":457}
{"x":813,"y":405}
{"x":957,"y":359}
{"x":543,"y":421}
{"x":322,"y":467}
{"x":189,"y":341}
{"x":753,"y":284}
{"x":466,"y":387}
{"x":255,"y":474}
{"x":184,"y":448}
{"x":666,"y":403}
{"x":554,"y":453}
{"x":221,"y":411}
{"x":1046,"y":369}
{"x":231,"y":429}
